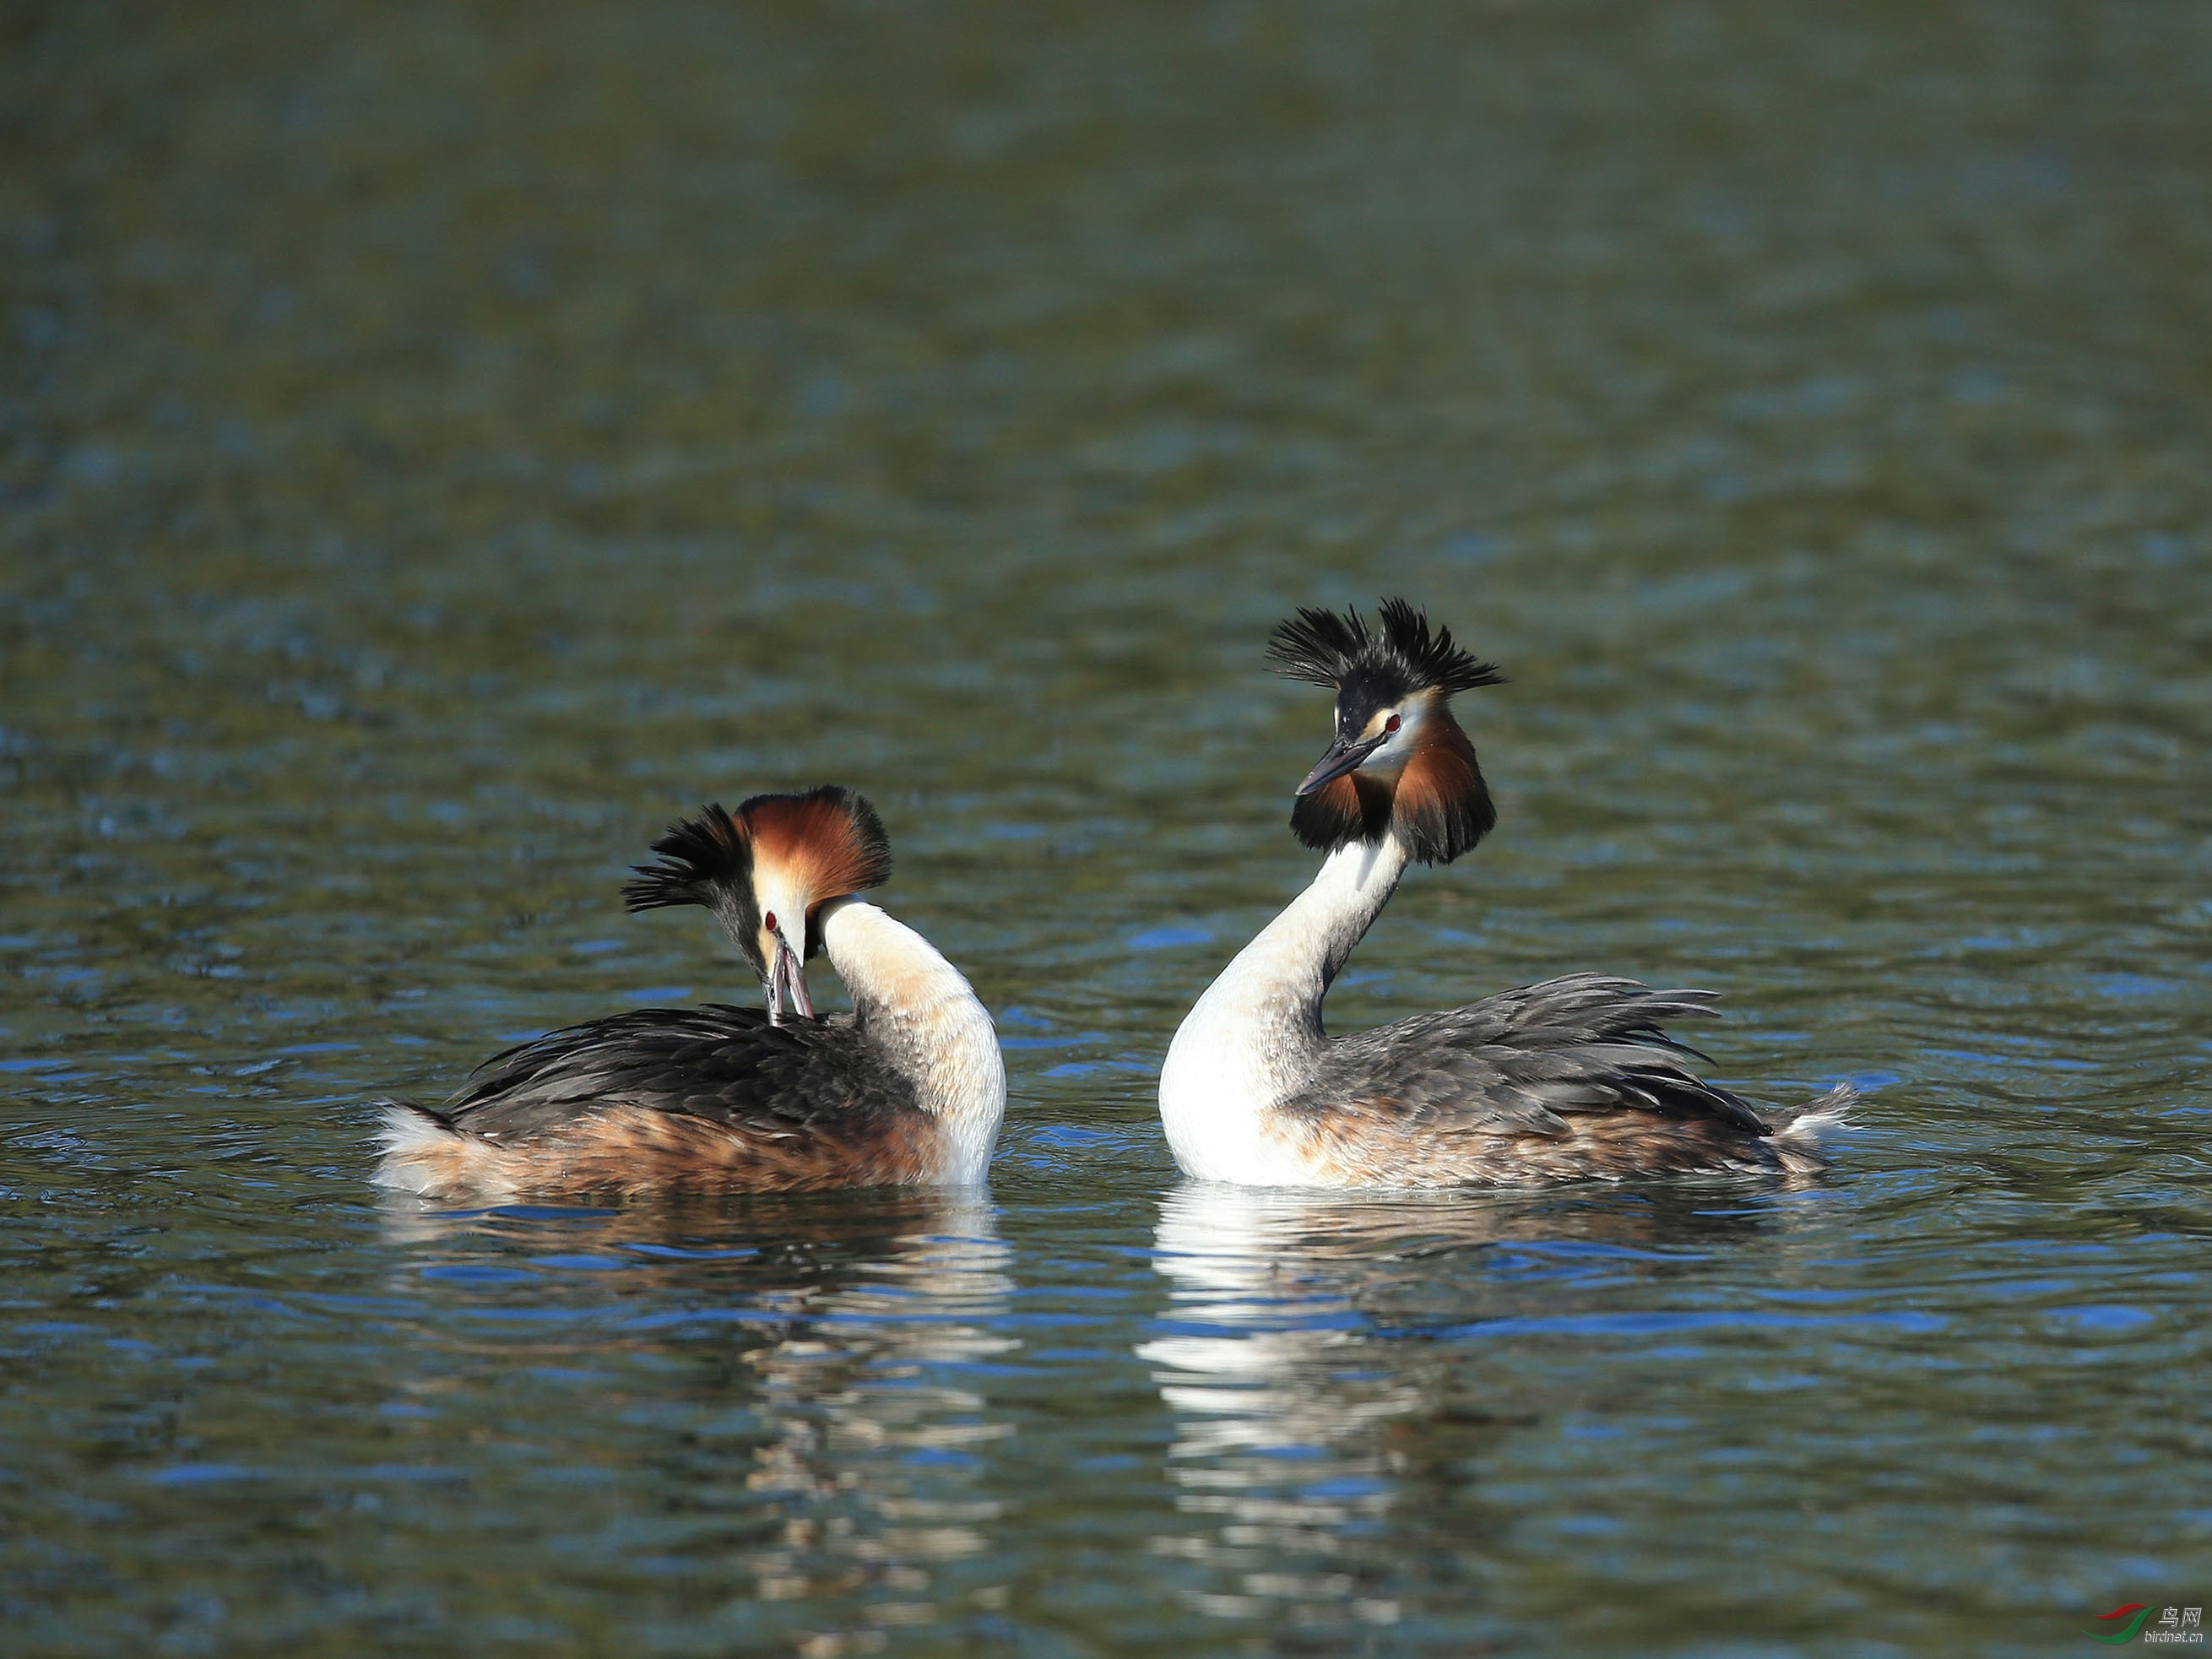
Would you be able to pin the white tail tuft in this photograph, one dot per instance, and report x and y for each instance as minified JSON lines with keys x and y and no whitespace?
{"x":420,"y":1149}
{"x":1821,"y":1116}
{"x":1800,"y":1132}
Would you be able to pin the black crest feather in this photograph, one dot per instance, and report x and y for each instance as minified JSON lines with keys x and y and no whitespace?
{"x":1324,"y":647}
{"x":702,"y":859}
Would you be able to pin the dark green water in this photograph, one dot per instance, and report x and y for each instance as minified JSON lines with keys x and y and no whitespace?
{"x":440,"y":443}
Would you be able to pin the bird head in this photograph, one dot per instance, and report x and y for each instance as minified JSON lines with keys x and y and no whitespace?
{"x":1398,"y":760}
{"x":765,"y":871}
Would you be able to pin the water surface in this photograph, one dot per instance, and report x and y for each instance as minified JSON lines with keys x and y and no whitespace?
{"x":438,"y":444}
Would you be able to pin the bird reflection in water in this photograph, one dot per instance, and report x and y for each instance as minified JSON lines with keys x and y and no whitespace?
{"x":821,"y":1418}
{"x":858,"y":1402}
{"x":1330,"y":1433}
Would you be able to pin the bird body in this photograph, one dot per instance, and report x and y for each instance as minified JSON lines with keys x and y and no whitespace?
{"x":1573,"y":1078}
{"x":907,"y":1090}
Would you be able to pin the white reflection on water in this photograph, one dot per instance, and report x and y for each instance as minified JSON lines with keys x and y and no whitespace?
{"x":822,"y":1446}
{"x":1276,"y":1409}
{"x":1334,"y":1401}
{"x":1247,"y":1271}
{"x":856,"y":1391}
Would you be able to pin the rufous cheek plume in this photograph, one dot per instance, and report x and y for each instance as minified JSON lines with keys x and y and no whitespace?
{"x":826,"y":843}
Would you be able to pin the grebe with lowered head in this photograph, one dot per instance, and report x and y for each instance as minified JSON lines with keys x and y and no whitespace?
{"x":1566,"y":1080}
{"x":907,"y":1090}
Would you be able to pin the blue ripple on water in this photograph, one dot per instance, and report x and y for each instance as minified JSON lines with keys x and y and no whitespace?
{"x":1911,"y":1320}
{"x":203,"y":1474}
{"x":2102,"y":1318}
{"x":475,"y":1272}
{"x":1071,"y":1134}
{"x":1162,"y":938}
{"x":2130,"y":985}
{"x":583,"y":1263}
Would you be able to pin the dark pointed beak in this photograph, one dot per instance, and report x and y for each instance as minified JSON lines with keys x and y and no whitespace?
{"x":1344,"y":755}
{"x":787,"y":973}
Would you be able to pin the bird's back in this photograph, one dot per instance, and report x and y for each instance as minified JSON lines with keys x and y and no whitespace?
{"x":1571,"y":1079}
{"x":707,"y":1099}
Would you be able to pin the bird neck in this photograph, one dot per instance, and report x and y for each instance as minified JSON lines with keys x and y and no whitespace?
{"x":922,"y":1014}
{"x":1256,"y":1034}
{"x":1277,"y":982}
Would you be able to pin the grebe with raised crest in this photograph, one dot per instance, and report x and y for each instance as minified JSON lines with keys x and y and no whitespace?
{"x":1573,"y":1078}
{"x":907,"y":1090}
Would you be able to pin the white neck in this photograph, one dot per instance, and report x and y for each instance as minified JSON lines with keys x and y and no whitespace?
{"x":1256,"y":1034}
{"x":916,"y":1008}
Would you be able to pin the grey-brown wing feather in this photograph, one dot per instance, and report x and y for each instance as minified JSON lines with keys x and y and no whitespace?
{"x":725,"y":1065}
{"x":1525,"y":1061}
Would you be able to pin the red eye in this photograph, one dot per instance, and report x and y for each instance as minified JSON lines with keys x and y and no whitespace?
{"x":1390,"y":725}
{"x":770,"y":918}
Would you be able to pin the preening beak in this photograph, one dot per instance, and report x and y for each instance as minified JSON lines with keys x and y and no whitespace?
{"x":786,"y":972}
{"x":1344,"y":756}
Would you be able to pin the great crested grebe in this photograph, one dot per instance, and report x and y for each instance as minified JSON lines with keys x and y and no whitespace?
{"x":907,"y":1090}
{"x":1566,"y":1080}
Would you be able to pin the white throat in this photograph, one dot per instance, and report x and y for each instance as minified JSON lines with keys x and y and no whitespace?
{"x":1256,"y":1034}
{"x":916,"y":1007}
